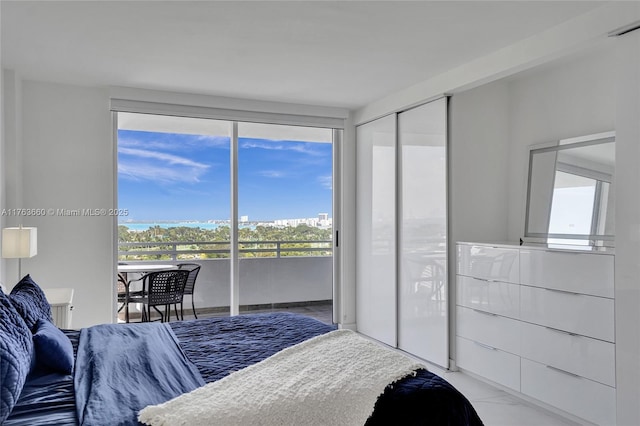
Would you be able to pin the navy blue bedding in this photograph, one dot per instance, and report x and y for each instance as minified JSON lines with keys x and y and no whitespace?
{"x":30,"y":301}
{"x":423,"y":399}
{"x":218,"y":346}
{"x":47,"y":399}
{"x":122,"y":369}
{"x":20,"y":310}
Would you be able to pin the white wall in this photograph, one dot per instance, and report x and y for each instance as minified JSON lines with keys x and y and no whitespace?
{"x":11,"y":156}
{"x":572,"y":97}
{"x":627,"y":267}
{"x":68,"y":163}
{"x":478,"y":151}
{"x":262,"y":281}
{"x":493,"y":126}
{"x":3,"y":130}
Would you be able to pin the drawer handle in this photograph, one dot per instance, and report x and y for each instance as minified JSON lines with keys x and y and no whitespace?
{"x":571,"y":252}
{"x":482,"y":345}
{"x":562,"y":331}
{"x":485,"y":313}
{"x":486,"y":280}
{"x":563,"y":371}
{"x":573,"y":293}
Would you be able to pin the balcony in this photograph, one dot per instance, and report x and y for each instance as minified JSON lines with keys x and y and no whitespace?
{"x":274,"y":275}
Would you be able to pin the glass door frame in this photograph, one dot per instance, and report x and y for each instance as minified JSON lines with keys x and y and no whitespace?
{"x":337,"y":127}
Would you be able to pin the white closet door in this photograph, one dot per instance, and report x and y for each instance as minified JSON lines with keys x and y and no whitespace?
{"x":376,"y":230}
{"x":422,"y":243}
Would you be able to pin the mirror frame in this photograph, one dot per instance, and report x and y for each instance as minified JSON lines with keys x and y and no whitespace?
{"x":561,"y":145}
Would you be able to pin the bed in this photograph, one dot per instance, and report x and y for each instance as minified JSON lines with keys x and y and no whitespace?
{"x":210,"y":351}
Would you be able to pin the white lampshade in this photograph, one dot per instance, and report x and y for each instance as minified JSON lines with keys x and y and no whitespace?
{"x":19,"y":242}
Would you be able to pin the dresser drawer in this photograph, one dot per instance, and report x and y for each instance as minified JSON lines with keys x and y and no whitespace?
{"x":579,"y":396}
{"x":496,"y":365}
{"x":586,"y":357}
{"x":489,"y":296}
{"x":490,"y":329}
{"x":576,"y":313}
{"x":487,"y":262}
{"x":569,"y":271}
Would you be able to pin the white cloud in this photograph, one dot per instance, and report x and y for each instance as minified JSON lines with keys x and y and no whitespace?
{"x":162,"y":156}
{"x":214,"y":140}
{"x":285,"y":146}
{"x":159,"y":167}
{"x":155,"y":173}
{"x":196,"y":142}
{"x":326,"y":181}
{"x":272,"y":173}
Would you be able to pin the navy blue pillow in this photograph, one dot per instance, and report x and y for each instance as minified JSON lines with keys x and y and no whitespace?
{"x":16,"y":345}
{"x":30,"y":302}
{"x":53,"y":348}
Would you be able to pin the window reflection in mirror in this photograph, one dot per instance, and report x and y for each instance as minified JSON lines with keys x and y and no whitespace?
{"x":570,"y":192}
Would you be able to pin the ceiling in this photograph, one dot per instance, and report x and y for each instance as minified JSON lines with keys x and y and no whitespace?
{"x":329,"y":53}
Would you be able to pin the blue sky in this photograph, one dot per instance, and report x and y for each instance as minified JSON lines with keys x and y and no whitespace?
{"x":168,"y":176}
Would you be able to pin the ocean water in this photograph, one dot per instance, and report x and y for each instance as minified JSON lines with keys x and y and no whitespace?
{"x":135,"y":226}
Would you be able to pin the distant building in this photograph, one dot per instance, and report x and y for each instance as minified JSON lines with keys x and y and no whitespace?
{"x":322,"y":221}
{"x":244,"y":219}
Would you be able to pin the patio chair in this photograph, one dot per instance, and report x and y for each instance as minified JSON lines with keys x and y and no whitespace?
{"x":193,"y":269}
{"x":161,"y":288}
{"x":124,"y":293}
{"x":123,"y":296}
{"x":122,"y":287}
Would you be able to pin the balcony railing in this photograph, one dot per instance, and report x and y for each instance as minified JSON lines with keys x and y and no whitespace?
{"x":183,"y":250}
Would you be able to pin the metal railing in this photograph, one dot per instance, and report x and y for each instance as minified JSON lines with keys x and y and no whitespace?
{"x":178,"y":250}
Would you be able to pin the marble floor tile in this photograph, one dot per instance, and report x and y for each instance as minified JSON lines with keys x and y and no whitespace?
{"x":497,"y":407}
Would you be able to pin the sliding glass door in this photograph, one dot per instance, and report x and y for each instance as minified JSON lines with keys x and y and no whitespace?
{"x":251,"y":203}
{"x":174,"y":198}
{"x":285,"y":218}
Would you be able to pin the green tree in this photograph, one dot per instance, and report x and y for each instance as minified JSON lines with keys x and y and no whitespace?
{"x":216,"y":238}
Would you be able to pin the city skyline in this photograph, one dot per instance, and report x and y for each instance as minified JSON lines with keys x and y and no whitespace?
{"x":164,"y":177}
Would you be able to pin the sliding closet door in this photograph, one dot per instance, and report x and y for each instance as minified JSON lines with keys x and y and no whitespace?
{"x":376,"y":230}
{"x":422,"y":242}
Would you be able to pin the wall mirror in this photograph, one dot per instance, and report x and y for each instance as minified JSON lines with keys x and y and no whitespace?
{"x":570,"y":194}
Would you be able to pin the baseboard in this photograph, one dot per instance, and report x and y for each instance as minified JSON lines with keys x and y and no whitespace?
{"x":243,"y":308}
{"x":348,"y":326}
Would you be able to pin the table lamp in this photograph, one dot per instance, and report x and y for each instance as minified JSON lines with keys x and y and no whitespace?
{"x":19,"y":243}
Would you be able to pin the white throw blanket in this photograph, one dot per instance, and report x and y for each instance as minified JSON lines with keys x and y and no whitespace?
{"x":331,"y":379}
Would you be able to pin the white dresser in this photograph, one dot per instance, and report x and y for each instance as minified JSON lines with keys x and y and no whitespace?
{"x":540,"y":321}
